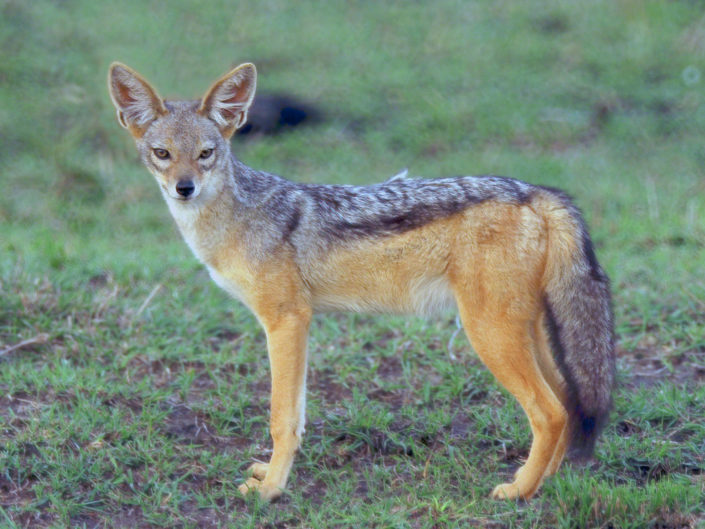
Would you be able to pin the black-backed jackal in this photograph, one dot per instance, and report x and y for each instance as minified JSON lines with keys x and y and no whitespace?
{"x":516,"y":260}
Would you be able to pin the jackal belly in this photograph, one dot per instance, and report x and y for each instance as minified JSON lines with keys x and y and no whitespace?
{"x":404,"y":273}
{"x":421,"y":295}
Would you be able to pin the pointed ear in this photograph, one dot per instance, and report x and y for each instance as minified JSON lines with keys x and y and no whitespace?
{"x":228,"y":99}
{"x":137,"y":103}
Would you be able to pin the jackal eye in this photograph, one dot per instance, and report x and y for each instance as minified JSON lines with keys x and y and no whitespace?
{"x":205,"y":153}
{"x":162,"y":154}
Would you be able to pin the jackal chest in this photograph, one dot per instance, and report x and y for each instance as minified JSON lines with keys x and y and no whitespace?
{"x":225,"y":266}
{"x":231,"y":285}
{"x":220,"y":251}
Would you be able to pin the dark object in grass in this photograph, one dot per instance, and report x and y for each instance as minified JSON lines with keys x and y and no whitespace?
{"x":275,"y":113}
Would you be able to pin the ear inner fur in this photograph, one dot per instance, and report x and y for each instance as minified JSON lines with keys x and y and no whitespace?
{"x":137,"y":103}
{"x":229,"y":98}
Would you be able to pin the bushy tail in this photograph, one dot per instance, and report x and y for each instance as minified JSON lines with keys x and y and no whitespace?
{"x":579,"y":321}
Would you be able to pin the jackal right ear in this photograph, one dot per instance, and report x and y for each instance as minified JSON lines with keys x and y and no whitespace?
{"x":137,"y":103}
{"x":229,"y":98}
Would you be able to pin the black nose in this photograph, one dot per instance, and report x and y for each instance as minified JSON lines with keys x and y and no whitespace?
{"x":185,"y":188}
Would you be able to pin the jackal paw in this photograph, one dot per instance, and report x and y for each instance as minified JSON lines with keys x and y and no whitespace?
{"x":256,"y":483}
{"x":506,"y":491}
{"x":258,"y":470}
{"x":266,"y":492}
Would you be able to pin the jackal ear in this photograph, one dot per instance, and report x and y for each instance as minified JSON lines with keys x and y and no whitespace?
{"x":229,"y":98}
{"x":137,"y":103}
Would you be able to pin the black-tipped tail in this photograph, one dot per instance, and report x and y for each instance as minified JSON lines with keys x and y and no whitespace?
{"x":588,"y":410}
{"x":580,"y":324}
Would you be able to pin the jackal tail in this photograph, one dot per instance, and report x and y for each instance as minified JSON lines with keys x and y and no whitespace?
{"x":579,"y":322}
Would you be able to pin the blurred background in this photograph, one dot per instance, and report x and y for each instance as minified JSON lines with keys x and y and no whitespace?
{"x":604,"y":99}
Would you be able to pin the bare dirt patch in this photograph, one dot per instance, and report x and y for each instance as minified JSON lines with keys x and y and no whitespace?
{"x":650,"y":365}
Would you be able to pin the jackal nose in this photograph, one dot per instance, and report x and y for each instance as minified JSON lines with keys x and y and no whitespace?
{"x":185,"y":187}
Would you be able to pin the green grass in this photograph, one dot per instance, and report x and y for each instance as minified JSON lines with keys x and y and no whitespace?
{"x":141,"y":393}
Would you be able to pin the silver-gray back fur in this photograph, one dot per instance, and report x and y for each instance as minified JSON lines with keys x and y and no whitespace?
{"x":306,"y":214}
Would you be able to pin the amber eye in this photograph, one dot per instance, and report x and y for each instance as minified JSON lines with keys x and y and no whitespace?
{"x":205,"y":153}
{"x":162,"y":154}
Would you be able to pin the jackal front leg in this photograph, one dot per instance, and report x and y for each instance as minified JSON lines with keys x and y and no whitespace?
{"x":286,"y":342}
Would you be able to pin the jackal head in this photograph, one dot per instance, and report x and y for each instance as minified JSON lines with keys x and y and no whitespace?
{"x":184,"y":144}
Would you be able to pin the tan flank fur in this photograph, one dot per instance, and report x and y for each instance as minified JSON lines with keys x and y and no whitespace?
{"x":515,"y":259}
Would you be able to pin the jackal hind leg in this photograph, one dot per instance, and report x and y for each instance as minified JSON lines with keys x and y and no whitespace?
{"x":507,"y":346}
{"x":555,"y":380}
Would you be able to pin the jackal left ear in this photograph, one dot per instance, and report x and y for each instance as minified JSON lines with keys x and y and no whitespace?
{"x":228,"y":99}
{"x":136,"y":102}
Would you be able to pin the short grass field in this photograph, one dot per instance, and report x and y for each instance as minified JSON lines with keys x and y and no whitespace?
{"x":134,"y":393}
